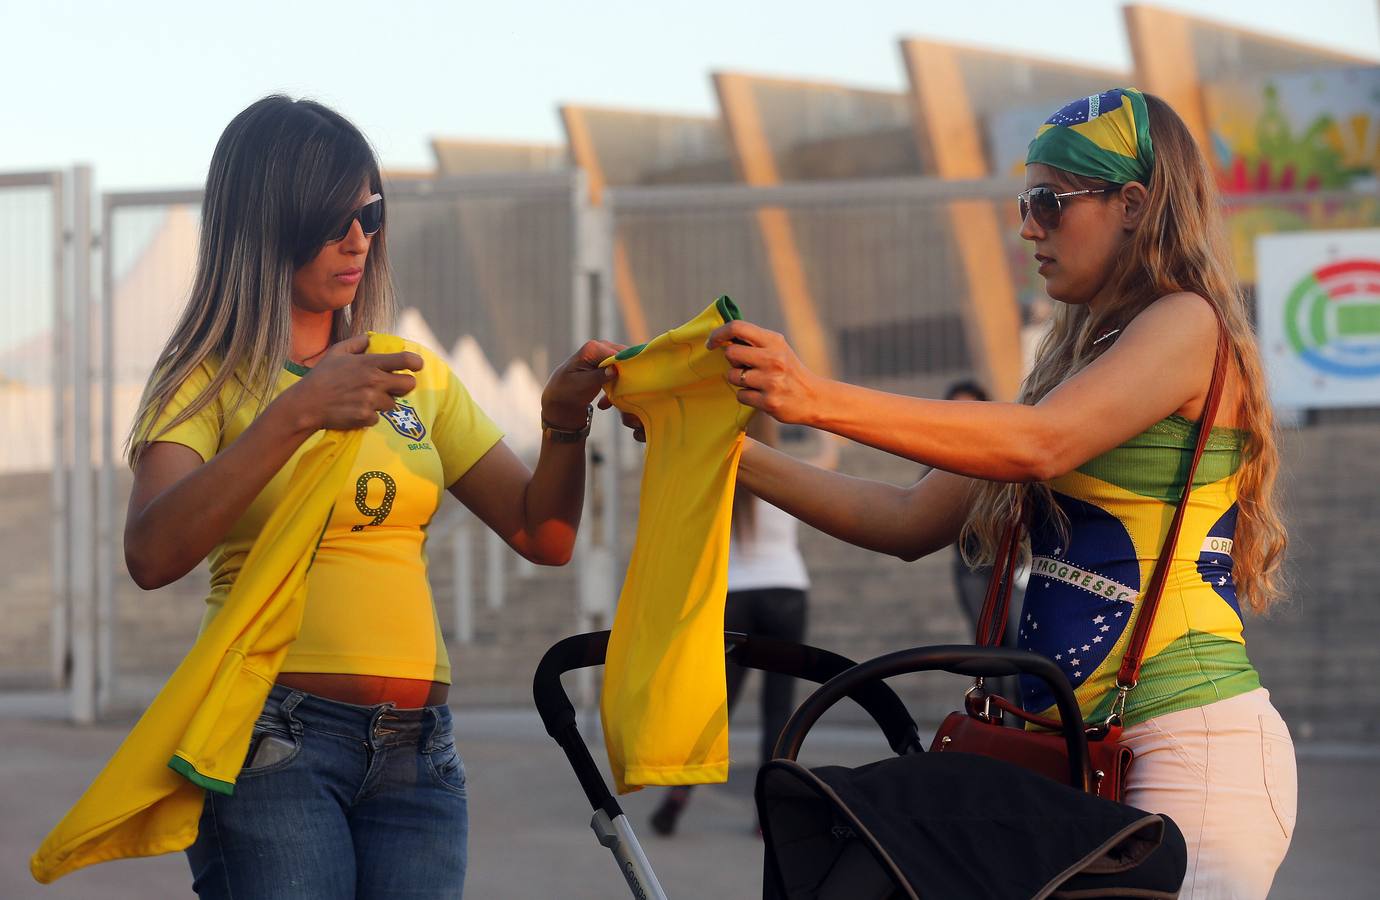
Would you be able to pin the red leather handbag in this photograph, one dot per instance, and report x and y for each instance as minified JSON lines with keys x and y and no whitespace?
{"x":978,"y":728}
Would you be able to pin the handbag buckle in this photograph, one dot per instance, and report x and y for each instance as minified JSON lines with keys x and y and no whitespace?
{"x":1118,"y":706}
{"x":969,"y":702}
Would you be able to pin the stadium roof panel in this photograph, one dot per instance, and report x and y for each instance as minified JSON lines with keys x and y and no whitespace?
{"x":626,"y":147}
{"x":465,"y":156}
{"x":792,"y":130}
{"x":959,"y":92}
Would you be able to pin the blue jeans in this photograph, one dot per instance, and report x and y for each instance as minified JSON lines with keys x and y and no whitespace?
{"x":338,"y":801}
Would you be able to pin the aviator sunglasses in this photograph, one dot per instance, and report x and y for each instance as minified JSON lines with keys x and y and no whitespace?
{"x":1044,"y":204}
{"x":370,"y":217}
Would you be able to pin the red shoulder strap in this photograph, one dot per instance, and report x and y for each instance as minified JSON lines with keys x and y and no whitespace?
{"x":1145,"y":617}
{"x":992,"y":623}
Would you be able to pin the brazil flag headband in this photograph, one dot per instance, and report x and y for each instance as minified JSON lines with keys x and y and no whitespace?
{"x":1104,"y":136}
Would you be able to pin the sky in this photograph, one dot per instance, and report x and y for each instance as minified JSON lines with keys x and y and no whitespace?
{"x":141,"y":89}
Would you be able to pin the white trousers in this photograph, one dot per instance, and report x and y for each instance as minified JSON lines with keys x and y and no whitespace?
{"x":1225,"y":774}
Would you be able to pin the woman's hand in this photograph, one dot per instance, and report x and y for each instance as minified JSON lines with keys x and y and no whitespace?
{"x":538,"y":512}
{"x":575,"y":383}
{"x":767,"y":371}
{"x":629,"y":421}
{"x":349,"y":387}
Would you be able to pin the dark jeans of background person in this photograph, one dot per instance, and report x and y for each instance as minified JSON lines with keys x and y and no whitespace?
{"x":777,"y":613}
{"x":338,"y":800}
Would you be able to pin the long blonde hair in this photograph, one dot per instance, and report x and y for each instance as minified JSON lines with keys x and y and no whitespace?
{"x":1179,"y":245}
{"x":284,"y":175}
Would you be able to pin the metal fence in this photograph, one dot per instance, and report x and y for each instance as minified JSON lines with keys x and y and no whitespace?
{"x":44,"y":460}
{"x":501,"y":276}
{"x":504,"y":277}
{"x":31,"y":436}
{"x":875,"y":263}
{"x":878,"y":261}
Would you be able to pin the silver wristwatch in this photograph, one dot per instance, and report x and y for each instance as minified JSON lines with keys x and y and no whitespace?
{"x":565,"y":435}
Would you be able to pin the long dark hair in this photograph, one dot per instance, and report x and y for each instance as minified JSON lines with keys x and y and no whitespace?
{"x":284,"y":175}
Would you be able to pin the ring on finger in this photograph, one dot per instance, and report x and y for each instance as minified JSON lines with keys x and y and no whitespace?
{"x":742,"y":378}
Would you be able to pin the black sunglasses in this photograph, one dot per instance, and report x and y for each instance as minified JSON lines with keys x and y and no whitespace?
{"x":1044,"y":204}
{"x":370,"y":217}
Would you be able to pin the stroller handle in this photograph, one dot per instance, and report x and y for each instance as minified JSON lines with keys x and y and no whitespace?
{"x":786,"y":657}
{"x":963,"y":659}
{"x":557,"y":713}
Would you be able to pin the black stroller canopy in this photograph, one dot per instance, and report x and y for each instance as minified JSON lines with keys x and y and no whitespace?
{"x":955,"y":825}
{"x":918,"y":825}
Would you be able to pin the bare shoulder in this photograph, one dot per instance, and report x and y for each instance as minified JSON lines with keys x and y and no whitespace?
{"x":1181,"y":323}
{"x":1183,"y":328}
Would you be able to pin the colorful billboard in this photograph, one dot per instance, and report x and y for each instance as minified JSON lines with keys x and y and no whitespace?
{"x":1299,"y":131}
{"x":1318,"y":316}
{"x":1250,"y":216}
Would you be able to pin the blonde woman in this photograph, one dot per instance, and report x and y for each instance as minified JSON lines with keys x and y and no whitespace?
{"x":352,"y":786}
{"x":1123,"y":216}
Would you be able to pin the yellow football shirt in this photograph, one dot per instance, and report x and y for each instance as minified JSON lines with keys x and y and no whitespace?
{"x":369,"y":606}
{"x":193,"y":736}
{"x":664,"y":702}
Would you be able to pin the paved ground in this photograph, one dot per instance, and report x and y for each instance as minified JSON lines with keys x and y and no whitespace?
{"x":530,"y":835}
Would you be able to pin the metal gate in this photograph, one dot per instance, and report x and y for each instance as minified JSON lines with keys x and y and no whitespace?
{"x":45,"y":457}
{"x":503,"y":276}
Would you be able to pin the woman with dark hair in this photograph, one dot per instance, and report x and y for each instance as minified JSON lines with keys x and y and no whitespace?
{"x":352,"y":785}
{"x":1124,"y":217}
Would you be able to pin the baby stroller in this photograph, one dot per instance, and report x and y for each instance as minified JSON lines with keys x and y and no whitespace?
{"x":914,"y":825}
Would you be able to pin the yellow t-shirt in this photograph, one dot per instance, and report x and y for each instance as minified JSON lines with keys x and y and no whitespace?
{"x":369,"y":608}
{"x":664,"y":702}
{"x":193,"y":736}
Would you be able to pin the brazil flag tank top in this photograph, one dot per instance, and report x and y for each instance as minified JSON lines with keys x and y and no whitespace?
{"x":1086,"y":580}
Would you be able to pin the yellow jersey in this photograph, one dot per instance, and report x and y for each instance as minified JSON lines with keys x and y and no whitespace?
{"x":193,"y":736}
{"x":664,"y":702}
{"x":369,"y":607}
